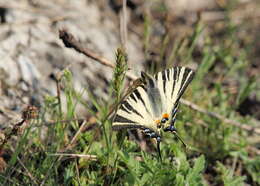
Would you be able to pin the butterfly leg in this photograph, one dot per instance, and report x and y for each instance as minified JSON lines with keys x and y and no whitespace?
{"x":172,"y":129}
{"x":152,"y":134}
{"x":158,"y":139}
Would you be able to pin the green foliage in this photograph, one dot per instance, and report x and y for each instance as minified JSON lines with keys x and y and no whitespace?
{"x":246,"y":88}
{"x":217,"y":154}
{"x":253,"y":167}
{"x":227,"y":176}
{"x":150,"y":171}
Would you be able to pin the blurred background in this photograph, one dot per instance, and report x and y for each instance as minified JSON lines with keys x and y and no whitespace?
{"x":220,"y":39}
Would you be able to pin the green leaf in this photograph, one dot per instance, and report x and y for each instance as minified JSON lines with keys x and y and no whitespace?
{"x":245,"y":90}
{"x":194,"y":176}
{"x":253,"y":167}
{"x":227,"y":176}
{"x":179,"y":180}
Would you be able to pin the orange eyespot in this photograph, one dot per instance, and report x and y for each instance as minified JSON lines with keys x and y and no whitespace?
{"x":165,"y":115}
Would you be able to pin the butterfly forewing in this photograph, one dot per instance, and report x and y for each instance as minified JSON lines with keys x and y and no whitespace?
{"x":140,"y":109}
{"x":172,"y":84}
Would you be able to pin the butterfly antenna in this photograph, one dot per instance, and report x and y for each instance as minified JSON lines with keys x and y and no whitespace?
{"x":179,"y":138}
{"x":158,"y":139}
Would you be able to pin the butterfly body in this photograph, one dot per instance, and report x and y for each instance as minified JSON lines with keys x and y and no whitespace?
{"x":152,"y":107}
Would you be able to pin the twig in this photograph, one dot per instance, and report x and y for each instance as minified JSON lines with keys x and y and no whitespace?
{"x":86,"y":156}
{"x":70,"y":42}
{"x":49,"y":171}
{"x":74,"y":139}
{"x":123,"y":26}
{"x":77,"y":172}
{"x":28,"y":172}
{"x":66,"y":148}
{"x":13,"y":132}
{"x":220,"y":117}
{"x":58,"y":87}
{"x":8,"y":179}
{"x":30,"y":112}
{"x":234,"y":140}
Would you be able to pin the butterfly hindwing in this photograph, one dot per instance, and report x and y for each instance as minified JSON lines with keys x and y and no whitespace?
{"x":135,"y":111}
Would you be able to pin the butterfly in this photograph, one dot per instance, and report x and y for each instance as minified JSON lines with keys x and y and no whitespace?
{"x":152,"y":106}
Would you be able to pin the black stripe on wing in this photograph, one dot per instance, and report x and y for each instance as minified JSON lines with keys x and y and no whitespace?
{"x":128,"y":108}
{"x":187,"y":78}
{"x":168,"y":74}
{"x":121,"y":119}
{"x":174,"y":79}
{"x":133,"y":97}
{"x":126,"y":124}
{"x":139,"y":97}
{"x":164,"y":81}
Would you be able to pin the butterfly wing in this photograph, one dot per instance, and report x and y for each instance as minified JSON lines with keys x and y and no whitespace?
{"x":147,"y":103}
{"x":172,"y":83}
{"x":135,"y":112}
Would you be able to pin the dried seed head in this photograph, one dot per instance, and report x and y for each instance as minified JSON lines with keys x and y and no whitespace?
{"x":31,"y":112}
